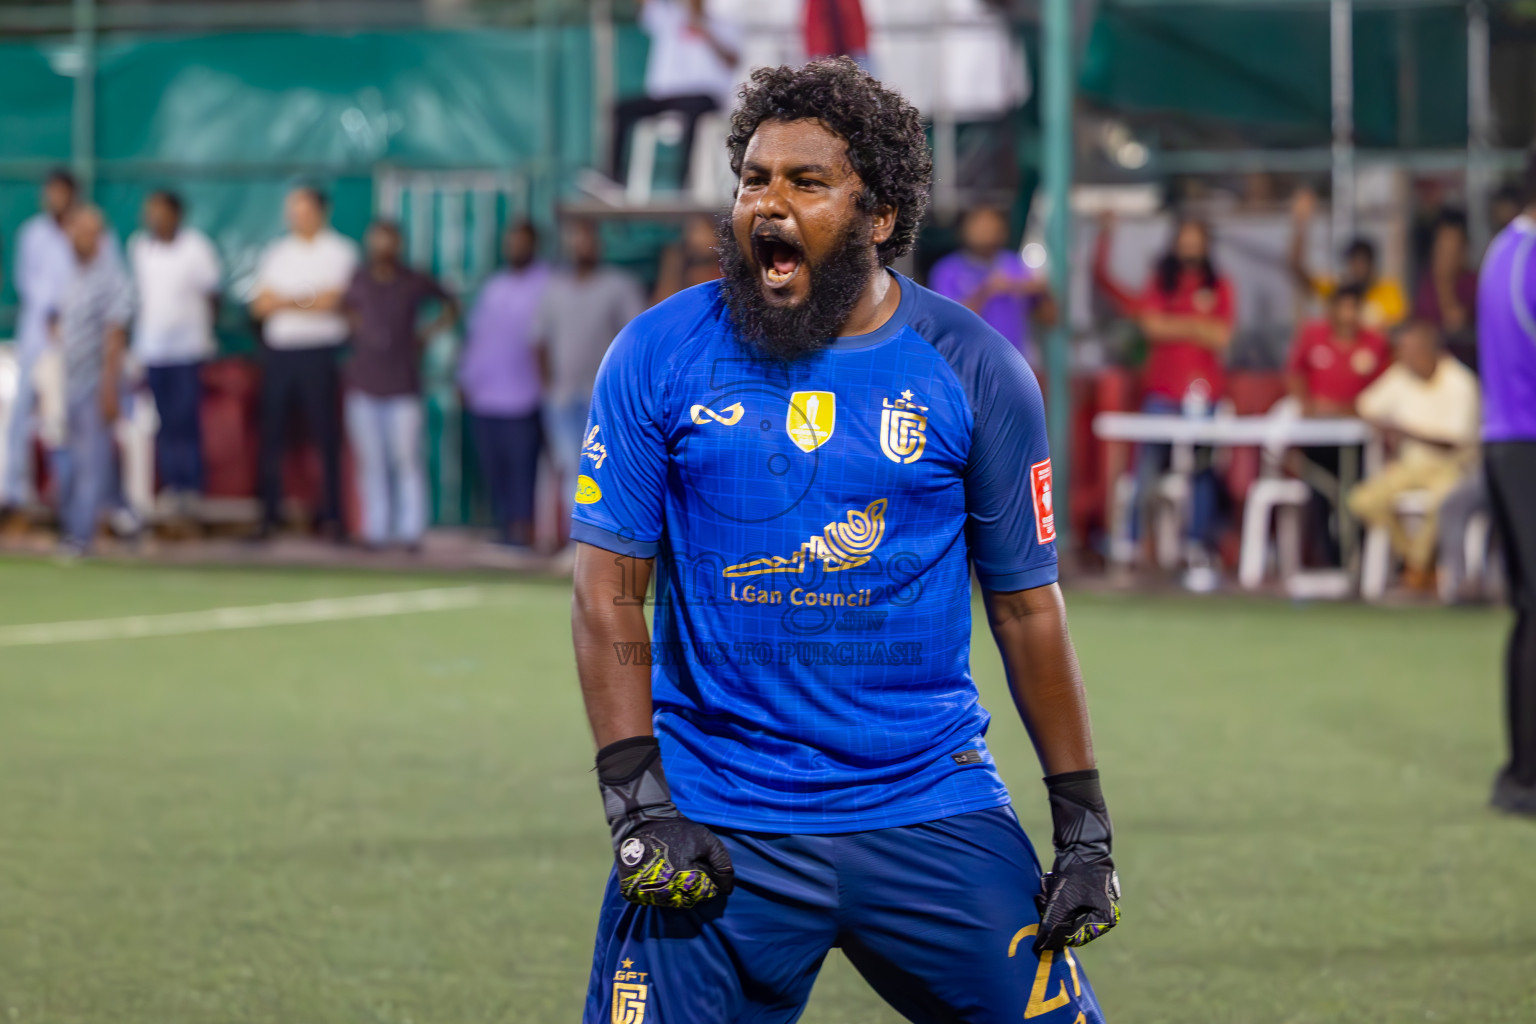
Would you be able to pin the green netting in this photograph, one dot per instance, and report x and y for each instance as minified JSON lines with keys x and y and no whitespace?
{"x":1265,"y":71}
{"x":233,"y":120}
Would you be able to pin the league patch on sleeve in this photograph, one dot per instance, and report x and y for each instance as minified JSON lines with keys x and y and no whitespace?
{"x":1040,"y":490}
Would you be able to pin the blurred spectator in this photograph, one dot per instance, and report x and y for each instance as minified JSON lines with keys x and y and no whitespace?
{"x":1507,"y":328}
{"x":835,"y":28}
{"x":385,"y":301}
{"x":1331,"y":363}
{"x":299,"y":287}
{"x":44,"y":267}
{"x":583,"y":308}
{"x":691,"y":70}
{"x":689,"y":261}
{"x":1505,"y":206}
{"x":1385,"y":305}
{"x":90,"y":323}
{"x":990,"y":279}
{"x":1447,"y":291}
{"x":1426,"y":406}
{"x":1187,"y":313}
{"x":176,"y":277}
{"x":499,"y":375}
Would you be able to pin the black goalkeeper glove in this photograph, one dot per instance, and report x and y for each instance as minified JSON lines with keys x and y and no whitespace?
{"x":1080,"y":896}
{"x":664,"y":860}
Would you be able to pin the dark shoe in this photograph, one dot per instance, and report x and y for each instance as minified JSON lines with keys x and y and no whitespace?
{"x":1511,"y":797}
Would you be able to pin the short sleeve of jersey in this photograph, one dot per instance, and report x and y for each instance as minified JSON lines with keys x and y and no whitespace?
{"x":618,"y":504}
{"x":1010,"y":504}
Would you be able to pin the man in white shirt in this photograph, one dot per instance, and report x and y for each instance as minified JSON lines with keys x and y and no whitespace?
{"x":299,"y":287}
{"x":176,"y":277}
{"x":44,"y":266}
{"x":1428,"y":405}
{"x":691,"y":69}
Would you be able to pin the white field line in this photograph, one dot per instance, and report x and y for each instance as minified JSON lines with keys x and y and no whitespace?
{"x":293,"y":613}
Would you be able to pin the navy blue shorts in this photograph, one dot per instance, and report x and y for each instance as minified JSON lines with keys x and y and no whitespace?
{"x":939,"y":918}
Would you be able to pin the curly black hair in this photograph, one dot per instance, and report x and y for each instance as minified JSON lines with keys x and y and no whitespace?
{"x":887,"y":145}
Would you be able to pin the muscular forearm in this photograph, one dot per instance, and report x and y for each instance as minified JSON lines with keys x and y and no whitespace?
{"x":1030,"y":627}
{"x":611,"y":638}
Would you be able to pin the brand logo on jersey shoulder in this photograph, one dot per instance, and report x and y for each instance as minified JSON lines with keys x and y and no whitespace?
{"x":592,"y":448}
{"x":1045,"y":501}
{"x":587,"y":491}
{"x":629,"y":1003}
{"x":903,"y":429}
{"x":811,"y":418}
{"x":845,"y":544}
{"x":728,"y":418}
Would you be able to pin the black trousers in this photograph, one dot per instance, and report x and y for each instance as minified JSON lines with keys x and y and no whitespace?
{"x":508,"y":447}
{"x":1511,"y":468}
{"x":307,"y":379}
{"x":628,"y":113}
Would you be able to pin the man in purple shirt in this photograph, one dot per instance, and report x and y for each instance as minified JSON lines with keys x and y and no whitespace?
{"x":990,"y":279}
{"x":383,"y":406}
{"x":500,"y":377}
{"x":1506,"y":309}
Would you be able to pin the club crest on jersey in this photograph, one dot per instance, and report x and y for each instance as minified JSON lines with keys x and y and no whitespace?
{"x":629,"y":1003}
{"x":903,"y":429}
{"x":727,"y":418}
{"x":811,"y":418}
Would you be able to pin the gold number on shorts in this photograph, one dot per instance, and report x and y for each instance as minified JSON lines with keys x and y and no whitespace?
{"x":1038,"y":1004}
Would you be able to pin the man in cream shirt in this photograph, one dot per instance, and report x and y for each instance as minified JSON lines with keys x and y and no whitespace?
{"x":1429,"y":407}
{"x":299,"y":286}
{"x":176,"y":277}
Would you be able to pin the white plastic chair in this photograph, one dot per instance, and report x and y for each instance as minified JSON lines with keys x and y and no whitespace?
{"x":650,"y":132}
{"x":1273,"y":496}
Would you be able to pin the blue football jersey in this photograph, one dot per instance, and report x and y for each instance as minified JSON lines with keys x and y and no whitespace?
{"x":814,"y":526}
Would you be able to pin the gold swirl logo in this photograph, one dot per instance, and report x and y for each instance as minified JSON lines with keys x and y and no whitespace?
{"x":841,"y":545}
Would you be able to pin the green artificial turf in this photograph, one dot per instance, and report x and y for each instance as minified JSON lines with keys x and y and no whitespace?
{"x":392,"y":820}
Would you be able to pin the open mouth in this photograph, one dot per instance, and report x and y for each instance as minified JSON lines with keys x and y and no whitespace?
{"x":779,"y":258}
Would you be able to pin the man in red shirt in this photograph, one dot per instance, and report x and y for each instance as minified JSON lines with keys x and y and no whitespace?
{"x":1331,"y":362}
{"x":1334,"y":359}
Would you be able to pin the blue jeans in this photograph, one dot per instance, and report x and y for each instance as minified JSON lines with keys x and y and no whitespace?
{"x":385,"y":433}
{"x":564,"y":424}
{"x":86,"y":481}
{"x":16,"y":487}
{"x":179,"y":443}
{"x":1152,"y":461}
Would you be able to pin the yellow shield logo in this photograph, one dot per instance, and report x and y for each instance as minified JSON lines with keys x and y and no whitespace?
{"x":587,"y":491}
{"x":812,"y":416}
{"x":629,"y":1003}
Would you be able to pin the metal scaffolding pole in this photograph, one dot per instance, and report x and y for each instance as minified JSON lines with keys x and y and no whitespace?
{"x":603,"y":55}
{"x":1056,"y":174}
{"x":1479,"y":124}
{"x":1341,"y":38}
{"x":83,"y":110}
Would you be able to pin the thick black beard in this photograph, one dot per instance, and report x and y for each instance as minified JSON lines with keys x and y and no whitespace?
{"x":788,"y":333}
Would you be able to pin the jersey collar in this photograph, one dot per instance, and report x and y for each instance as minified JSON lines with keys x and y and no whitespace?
{"x":888,"y":329}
